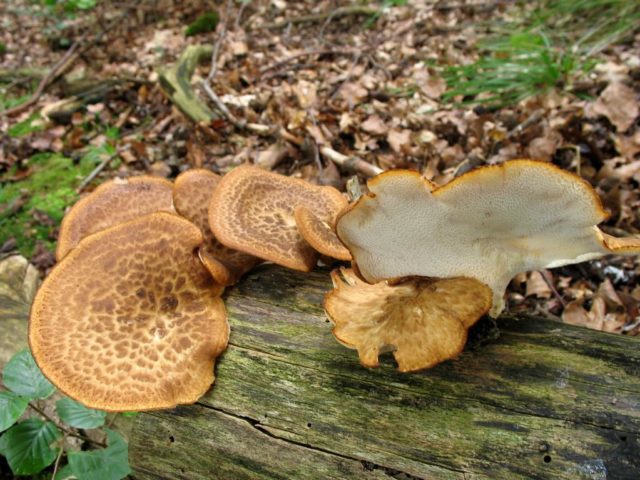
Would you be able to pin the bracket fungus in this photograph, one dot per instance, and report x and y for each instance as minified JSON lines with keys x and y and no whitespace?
{"x":130,"y":319}
{"x":488,"y":224}
{"x":320,"y":235}
{"x":192,"y":193}
{"x":423,"y":321}
{"x":252,"y":210}
{"x":115,"y":201}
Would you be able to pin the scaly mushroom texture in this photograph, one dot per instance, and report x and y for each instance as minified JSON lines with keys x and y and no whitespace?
{"x":320,"y":235}
{"x":252,"y":210}
{"x":130,"y":319}
{"x":423,"y":321}
{"x":192,"y":193}
{"x":488,"y":224}
{"x":115,"y":201}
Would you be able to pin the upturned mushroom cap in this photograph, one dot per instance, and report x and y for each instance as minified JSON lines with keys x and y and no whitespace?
{"x":130,"y":319}
{"x":423,"y":321}
{"x":192,"y":193}
{"x":320,"y":235}
{"x":115,"y":201}
{"x":252,"y":210}
{"x":488,"y":224}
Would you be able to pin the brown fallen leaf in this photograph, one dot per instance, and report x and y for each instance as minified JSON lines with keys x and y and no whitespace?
{"x":619,"y":104}
{"x":536,"y":285}
{"x":375,"y":126}
{"x":399,"y":140}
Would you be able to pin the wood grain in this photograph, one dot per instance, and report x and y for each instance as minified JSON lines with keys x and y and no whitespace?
{"x":542,"y":400}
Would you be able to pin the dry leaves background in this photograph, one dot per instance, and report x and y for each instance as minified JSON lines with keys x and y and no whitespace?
{"x":367,"y":86}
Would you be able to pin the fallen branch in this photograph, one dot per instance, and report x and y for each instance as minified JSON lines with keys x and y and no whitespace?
{"x":175,"y":82}
{"x":319,"y":17}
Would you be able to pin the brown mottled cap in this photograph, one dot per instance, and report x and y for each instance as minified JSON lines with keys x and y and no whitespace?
{"x":423,"y":321}
{"x":252,"y":210}
{"x":192,"y":193}
{"x":130,"y":319}
{"x":319,"y":234}
{"x":115,"y":201}
{"x":489,"y":224}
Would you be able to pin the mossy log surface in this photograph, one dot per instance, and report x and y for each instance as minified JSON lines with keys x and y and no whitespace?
{"x":541,"y":400}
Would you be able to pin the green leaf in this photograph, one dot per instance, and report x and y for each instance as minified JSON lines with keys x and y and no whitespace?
{"x":111,"y":463}
{"x":11,"y":409}
{"x":27,"y":446}
{"x":21,"y":375}
{"x":79,"y":416}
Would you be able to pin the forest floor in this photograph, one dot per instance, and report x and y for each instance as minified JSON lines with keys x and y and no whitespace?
{"x":304,"y":86}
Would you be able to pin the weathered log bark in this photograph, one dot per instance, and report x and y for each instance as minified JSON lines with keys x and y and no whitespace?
{"x":543,"y":400}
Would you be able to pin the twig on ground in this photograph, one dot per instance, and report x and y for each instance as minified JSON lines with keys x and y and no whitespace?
{"x":319,"y":17}
{"x":74,"y":52}
{"x":529,"y":121}
{"x":62,"y":427}
{"x":101,"y":166}
{"x":58,"y":458}
{"x":553,"y":289}
{"x":222,"y":108}
{"x":44,"y":83}
{"x":325,"y":51}
{"x":216,"y":46}
{"x":355,"y":163}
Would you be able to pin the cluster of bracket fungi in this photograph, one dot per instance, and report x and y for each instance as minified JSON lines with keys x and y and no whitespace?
{"x":131,"y":316}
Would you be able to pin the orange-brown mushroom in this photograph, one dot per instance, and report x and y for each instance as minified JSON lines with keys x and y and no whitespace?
{"x":130,"y":319}
{"x":115,"y":201}
{"x":252,"y":210}
{"x":192,"y":193}
{"x":320,"y":235}
{"x":422,"y":321}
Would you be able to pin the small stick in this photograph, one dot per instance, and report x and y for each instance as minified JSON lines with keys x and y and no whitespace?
{"x":325,"y":51}
{"x":553,"y":289}
{"x":57,"y":464}
{"x":64,"y":429}
{"x":101,"y":166}
{"x":338,"y":12}
{"x":359,"y":165}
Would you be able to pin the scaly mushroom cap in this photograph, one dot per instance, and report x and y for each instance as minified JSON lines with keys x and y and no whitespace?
{"x":488,"y":224}
{"x":423,"y":321}
{"x":115,"y":201}
{"x":319,"y":234}
{"x":252,"y":210}
{"x":192,"y":193}
{"x":130,"y":319}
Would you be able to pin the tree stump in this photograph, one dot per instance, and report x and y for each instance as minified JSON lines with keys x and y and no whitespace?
{"x":541,"y":400}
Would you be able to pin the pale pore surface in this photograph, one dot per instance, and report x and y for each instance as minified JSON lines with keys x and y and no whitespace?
{"x":319,"y":234}
{"x":192,"y":193}
{"x":424,"y":321}
{"x":489,"y":225}
{"x":130,"y":319}
{"x":252,"y":210}
{"x":115,"y":201}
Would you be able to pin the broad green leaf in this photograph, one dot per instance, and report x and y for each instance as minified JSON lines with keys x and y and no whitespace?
{"x":64,"y":473}
{"x":11,"y":409}
{"x":27,"y":446}
{"x":111,"y":463}
{"x":76,"y":415}
{"x":21,"y":375}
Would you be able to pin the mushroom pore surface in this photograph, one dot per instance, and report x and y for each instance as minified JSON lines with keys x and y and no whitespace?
{"x":488,"y":224}
{"x":130,"y":319}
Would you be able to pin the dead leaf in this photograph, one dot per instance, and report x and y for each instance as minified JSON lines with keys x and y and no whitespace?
{"x":353,"y":93}
{"x":375,"y":126}
{"x":619,"y":104}
{"x":399,"y":140}
{"x":536,"y":285}
{"x":18,"y":283}
{"x":305,"y":93}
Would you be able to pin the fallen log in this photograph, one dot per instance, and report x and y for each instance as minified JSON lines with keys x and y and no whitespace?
{"x":541,"y":400}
